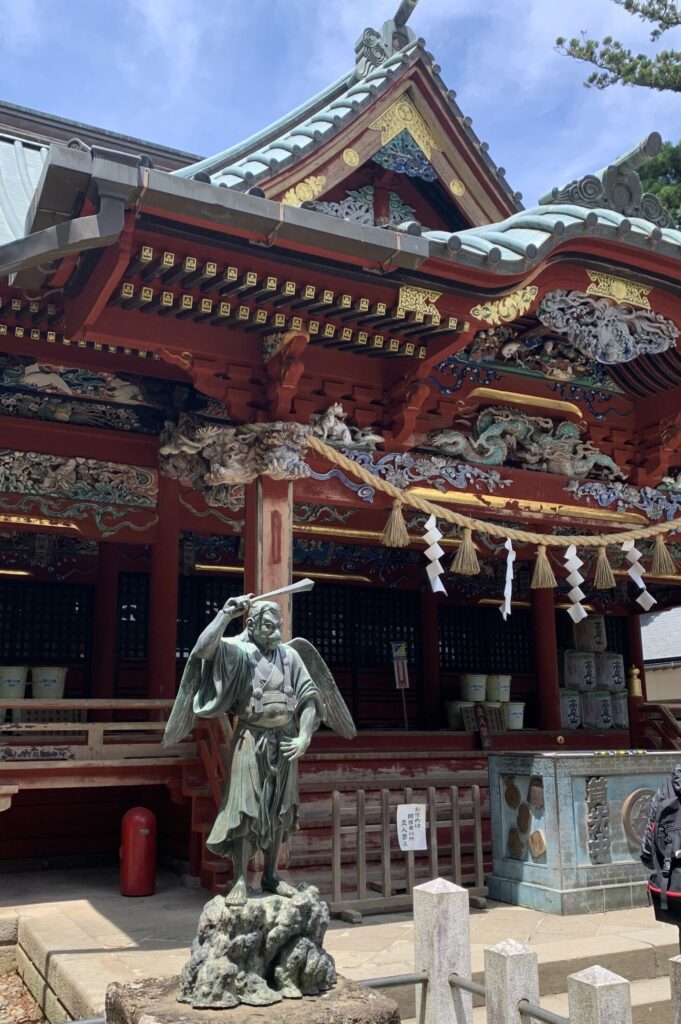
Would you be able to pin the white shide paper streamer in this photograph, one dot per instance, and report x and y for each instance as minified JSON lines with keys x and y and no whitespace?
{"x":573,"y":564}
{"x":434,"y":553}
{"x":505,"y":606}
{"x":635,"y":571}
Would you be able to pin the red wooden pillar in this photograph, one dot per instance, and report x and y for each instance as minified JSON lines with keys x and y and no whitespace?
{"x":635,"y":639}
{"x":637,"y":686}
{"x":104,"y":627}
{"x":163,"y":593}
{"x":268,"y":542}
{"x":431,"y":713}
{"x":546,"y":658}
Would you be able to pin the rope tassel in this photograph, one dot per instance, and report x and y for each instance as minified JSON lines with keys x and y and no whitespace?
{"x":543,"y":577}
{"x":605,"y":577}
{"x":663,"y":563}
{"x":395,"y":533}
{"x":465,"y":561}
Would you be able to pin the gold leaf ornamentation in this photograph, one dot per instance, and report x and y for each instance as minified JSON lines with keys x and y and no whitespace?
{"x":504,"y":311}
{"x":305,"y":190}
{"x":456,"y":187}
{"x":619,"y":289}
{"x":400,"y":116}
{"x":351,"y":157}
{"x":419,"y":300}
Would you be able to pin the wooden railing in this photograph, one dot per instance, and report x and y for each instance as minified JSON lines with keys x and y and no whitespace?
{"x":73,"y":738}
{"x":660,"y":725}
{"x":447,"y":816}
{"x":213,"y":742}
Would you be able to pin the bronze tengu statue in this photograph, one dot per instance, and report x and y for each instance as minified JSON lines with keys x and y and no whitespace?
{"x":257,"y":949}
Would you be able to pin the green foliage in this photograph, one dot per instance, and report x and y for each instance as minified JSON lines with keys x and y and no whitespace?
{"x":617,"y":65}
{"x":662,"y":175}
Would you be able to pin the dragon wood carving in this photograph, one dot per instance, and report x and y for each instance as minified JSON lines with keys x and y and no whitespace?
{"x":502,"y":435}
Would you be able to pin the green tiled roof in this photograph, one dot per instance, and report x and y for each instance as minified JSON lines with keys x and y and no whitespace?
{"x":318,"y":120}
{"x":21,"y":164}
{"x":523,"y":239}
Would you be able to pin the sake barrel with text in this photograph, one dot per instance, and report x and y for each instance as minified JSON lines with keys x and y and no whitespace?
{"x":597,"y":710}
{"x":580,"y":670}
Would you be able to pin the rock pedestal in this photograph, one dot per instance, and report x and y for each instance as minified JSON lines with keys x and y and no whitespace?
{"x":154,"y":1001}
{"x":260,"y":953}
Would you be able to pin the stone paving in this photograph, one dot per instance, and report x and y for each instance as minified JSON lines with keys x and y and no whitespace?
{"x":80,"y":934}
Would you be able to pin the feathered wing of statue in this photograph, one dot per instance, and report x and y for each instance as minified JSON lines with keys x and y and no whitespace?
{"x":280,"y":693}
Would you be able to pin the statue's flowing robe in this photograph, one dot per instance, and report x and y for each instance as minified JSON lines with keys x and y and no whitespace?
{"x":262,"y":795}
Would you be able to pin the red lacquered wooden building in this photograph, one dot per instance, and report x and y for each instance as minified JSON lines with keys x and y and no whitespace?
{"x":364,"y":266}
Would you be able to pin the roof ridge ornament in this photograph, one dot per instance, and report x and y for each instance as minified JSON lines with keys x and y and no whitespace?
{"x":373,"y":48}
{"x":618,"y":187}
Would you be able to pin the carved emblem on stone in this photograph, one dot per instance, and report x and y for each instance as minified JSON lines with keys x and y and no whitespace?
{"x":516,"y":844}
{"x":330,"y":426}
{"x":212,"y":459}
{"x":605,"y":332}
{"x":537,"y":844}
{"x":502,"y":434}
{"x":635,"y":814}
{"x":598,"y":820}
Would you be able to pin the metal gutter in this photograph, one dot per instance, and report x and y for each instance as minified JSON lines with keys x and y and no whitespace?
{"x":110,"y":180}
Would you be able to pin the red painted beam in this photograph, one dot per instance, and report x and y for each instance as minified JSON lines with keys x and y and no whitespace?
{"x":81,"y":312}
{"x":73,"y":441}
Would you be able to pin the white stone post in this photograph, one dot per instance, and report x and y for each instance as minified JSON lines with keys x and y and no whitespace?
{"x":442,"y":946}
{"x":511,"y":974}
{"x":675,"y":979}
{"x":597,"y":996}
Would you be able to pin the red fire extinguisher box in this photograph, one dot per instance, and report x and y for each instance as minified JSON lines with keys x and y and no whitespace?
{"x":138,"y":852}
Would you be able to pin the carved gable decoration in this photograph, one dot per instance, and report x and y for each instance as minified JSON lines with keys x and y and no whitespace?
{"x":401,"y":116}
{"x":503,"y":435}
{"x":605,"y":332}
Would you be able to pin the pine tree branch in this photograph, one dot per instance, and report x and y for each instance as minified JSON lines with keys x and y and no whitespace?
{"x":665,"y":14}
{"x":619,"y":66}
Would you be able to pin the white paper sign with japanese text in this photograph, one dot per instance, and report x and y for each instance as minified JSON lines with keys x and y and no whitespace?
{"x":411,"y":826}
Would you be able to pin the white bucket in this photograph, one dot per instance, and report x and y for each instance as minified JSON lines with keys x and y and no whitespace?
{"x":570,"y":709}
{"x":453,"y":709}
{"x":610,"y":671}
{"x":590,"y":634}
{"x":515,"y":713}
{"x":499,"y":688}
{"x":620,"y":709}
{"x":473,"y":687}
{"x":12,"y":684}
{"x":48,"y":682}
{"x":580,"y":670}
{"x":597,"y":710}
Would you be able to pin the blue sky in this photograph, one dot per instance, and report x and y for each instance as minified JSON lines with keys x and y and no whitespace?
{"x":200,"y":75}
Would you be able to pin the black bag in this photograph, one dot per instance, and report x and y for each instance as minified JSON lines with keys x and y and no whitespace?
{"x":665,"y":880}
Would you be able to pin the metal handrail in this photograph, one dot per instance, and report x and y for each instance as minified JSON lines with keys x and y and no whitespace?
{"x":467,"y":984}
{"x":532,"y":1011}
{"x":396,"y":980}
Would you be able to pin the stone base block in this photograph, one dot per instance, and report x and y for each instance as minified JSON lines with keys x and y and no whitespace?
{"x":154,"y":1001}
{"x":594,"y":900}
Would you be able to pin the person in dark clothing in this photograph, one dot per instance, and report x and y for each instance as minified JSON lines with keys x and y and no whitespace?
{"x":661,"y":851}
